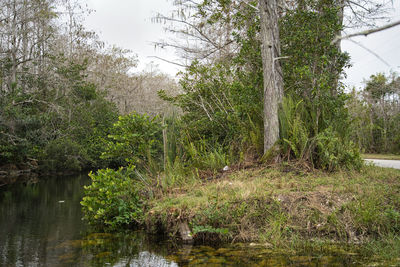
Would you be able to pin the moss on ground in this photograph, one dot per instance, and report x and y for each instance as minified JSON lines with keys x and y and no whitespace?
{"x":281,"y":206}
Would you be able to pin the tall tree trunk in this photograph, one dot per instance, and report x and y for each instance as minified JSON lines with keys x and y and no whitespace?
{"x":272,"y":72}
{"x":340,"y":5}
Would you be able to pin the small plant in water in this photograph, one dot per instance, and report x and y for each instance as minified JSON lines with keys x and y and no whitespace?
{"x":112,"y":200}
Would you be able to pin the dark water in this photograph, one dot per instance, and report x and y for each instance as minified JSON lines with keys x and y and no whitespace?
{"x":40,"y":225}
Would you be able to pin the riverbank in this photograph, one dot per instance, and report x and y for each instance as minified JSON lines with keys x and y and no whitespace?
{"x":11,"y":173}
{"x":284,"y":206}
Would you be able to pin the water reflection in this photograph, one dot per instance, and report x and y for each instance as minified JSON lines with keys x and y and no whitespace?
{"x":130,"y":249}
{"x":35,"y":218}
{"x":40,"y":225}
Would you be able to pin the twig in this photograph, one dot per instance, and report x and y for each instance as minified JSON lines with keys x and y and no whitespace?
{"x":250,"y":5}
{"x":372,"y":52}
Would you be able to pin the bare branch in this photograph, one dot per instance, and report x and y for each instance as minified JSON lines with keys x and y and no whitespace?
{"x":168,"y":61}
{"x":366,"y":32}
{"x":161,"y":17}
{"x":366,"y":9}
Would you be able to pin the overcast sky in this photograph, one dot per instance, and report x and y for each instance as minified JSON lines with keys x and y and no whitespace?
{"x":127,"y":23}
{"x":385,"y":44}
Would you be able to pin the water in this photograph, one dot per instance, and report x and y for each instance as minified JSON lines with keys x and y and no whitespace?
{"x":40,"y":225}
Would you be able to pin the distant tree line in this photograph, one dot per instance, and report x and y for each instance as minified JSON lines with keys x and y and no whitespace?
{"x":375,"y":112}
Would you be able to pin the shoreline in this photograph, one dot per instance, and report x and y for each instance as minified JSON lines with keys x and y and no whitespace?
{"x":10,"y":174}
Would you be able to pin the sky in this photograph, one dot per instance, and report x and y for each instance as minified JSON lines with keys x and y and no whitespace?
{"x":385,"y":44}
{"x":128,"y":24}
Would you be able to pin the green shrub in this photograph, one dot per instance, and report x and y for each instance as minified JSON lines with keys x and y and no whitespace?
{"x":112,"y":200}
{"x":137,"y":139}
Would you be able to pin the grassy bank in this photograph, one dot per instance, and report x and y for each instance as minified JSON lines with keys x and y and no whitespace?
{"x":381,"y":156}
{"x":276,"y":205}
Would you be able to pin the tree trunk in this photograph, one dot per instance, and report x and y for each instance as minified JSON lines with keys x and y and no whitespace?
{"x":272,"y":72}
{"x":340,"y":4}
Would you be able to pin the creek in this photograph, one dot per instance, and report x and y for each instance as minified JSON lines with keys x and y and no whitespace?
{"x":40,"y":225}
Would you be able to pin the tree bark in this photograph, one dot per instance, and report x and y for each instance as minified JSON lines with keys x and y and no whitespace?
{"x":272,"y":72}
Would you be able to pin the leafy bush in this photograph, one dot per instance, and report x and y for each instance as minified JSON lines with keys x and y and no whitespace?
{"x":112,"y":200}
{"x":314,"y":120}
{"x":219,"y":104}
{"x":136,"y":139}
